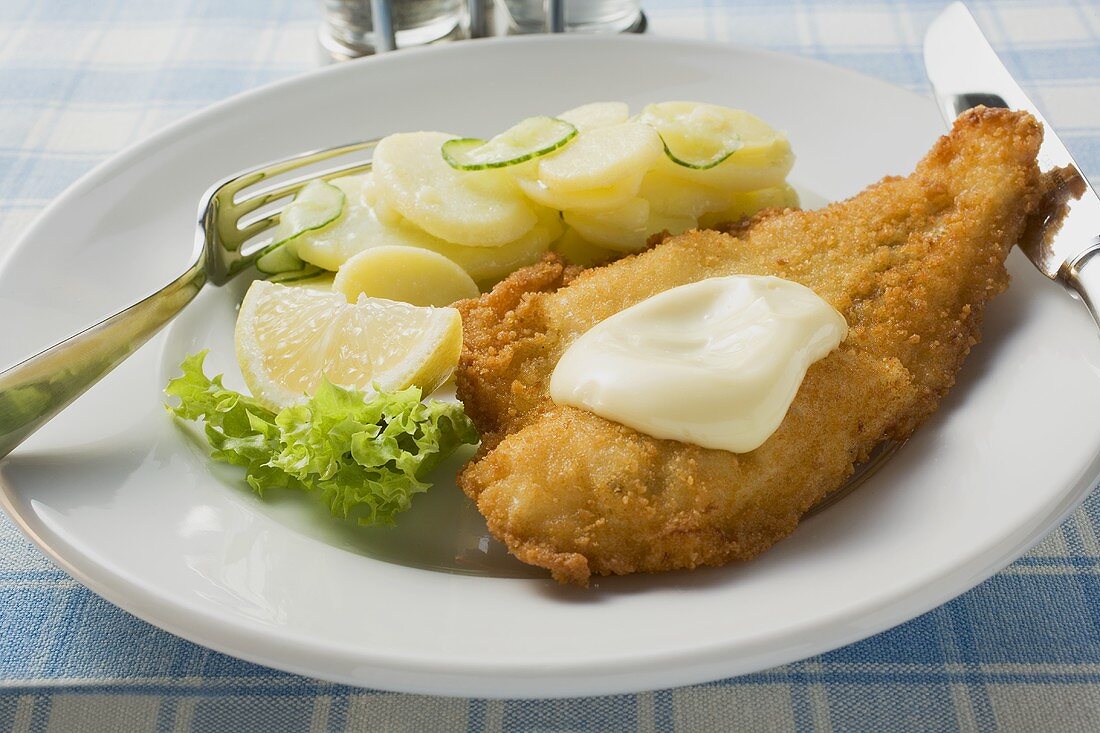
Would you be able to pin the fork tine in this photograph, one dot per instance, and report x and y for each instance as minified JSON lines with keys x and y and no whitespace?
{"x":253,"y":228}
{"x":252,"y":203}
{"x":241,"y":181}
{"x":286,"y":188}
{"x":221,"y":232}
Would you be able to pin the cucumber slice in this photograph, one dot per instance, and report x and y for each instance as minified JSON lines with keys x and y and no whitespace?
{"x":534,"y":137}
{"x":697,"y":135}
{"x":318,"y":204}
{"x":301,"y":275}
{"x":280,"y":264}
{"x":731,"y":147}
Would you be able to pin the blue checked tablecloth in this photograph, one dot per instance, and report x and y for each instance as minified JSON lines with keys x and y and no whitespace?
{"x":80,"y":79}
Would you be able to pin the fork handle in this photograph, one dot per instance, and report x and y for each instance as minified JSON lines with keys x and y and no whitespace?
{"x":1082,"y":276}
{"x":36,"y":389}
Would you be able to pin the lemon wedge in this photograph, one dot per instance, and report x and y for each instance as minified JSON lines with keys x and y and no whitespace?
{"x":408,"y":274}
{"x":288,"y":339}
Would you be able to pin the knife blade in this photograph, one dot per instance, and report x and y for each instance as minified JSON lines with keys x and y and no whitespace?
{"x":965,"y":72}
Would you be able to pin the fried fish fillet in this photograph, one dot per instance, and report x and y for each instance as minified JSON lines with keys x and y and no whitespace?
{"x":909,"y":262}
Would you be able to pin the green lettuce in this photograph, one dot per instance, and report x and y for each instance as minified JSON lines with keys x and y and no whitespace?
{"x":365,"y":456}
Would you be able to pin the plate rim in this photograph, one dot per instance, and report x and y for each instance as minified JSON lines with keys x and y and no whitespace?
{"x":617,"y":674}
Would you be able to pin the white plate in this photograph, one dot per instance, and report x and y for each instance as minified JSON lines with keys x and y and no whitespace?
{"x":125,"y":501}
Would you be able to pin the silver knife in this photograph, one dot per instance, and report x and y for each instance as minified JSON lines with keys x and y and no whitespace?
{"x":965,"y":72}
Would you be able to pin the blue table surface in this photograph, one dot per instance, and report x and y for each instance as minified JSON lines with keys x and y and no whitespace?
{"x":80,"y":80}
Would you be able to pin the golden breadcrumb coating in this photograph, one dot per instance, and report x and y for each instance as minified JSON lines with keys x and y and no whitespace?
{"x":909,"y":262}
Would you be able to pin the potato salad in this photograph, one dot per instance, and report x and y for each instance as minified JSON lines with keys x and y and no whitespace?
{"x":593,"y":183}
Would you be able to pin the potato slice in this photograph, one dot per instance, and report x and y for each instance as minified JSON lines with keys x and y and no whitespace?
{"x":359,"y":227}
{"x":698,"y":130}
{"x":674,"y":196}
{"x":579,"y":251}
{"x":628,"y":228}
{"x":602,"y":157}
{"x":596,"y":114}
{"x":741,"y":172}
{"x":473,"y":208}
{"x":622,"y":229}
{"x":669,"y":223}
{"x":747,"y":204}
{"x":406,"y":274}
{"x":489,"y":265}
{"x":382,"y":210}
{"x":593,"y":199}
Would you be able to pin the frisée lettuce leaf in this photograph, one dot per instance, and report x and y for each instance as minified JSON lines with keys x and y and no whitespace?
{"x":364,"y":455}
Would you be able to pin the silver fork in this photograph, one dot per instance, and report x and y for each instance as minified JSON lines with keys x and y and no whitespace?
{"x":227,"y":242}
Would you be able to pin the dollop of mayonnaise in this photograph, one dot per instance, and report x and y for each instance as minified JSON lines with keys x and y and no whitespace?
{"x":716,"y":363}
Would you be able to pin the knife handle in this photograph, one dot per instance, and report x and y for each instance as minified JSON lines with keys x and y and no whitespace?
{"x":1082,"y":276}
